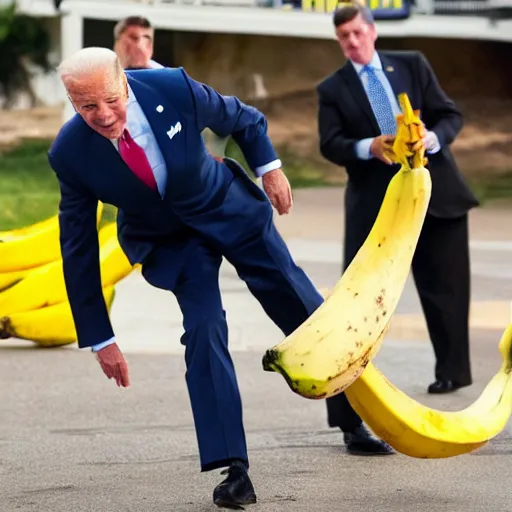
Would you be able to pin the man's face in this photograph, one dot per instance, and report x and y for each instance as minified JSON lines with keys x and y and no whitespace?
{"x":357,"y":40}
{"x":101,"y":101}
{"x":135,"y":47}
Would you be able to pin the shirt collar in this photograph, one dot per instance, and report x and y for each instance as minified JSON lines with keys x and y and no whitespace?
{"x":131,"y":95}
{"x":374,"y":63}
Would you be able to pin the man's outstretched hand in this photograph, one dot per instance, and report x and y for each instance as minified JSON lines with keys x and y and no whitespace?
{"x":277,"y":187}
{"x":114,"y":365}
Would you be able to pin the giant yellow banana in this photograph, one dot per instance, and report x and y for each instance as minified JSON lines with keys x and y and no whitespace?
{"x":9,"y":278}
{"x":37,"y":227}
{"x":419,"y":431}
{"x":333,"y":346}
{"x":29,"y":230}
{"x":50,"y":326}
{"x":33,"y":249}
{"x":46,"y":286}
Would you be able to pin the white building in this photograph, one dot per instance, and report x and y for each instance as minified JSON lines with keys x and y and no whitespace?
{"x":258,"y":17}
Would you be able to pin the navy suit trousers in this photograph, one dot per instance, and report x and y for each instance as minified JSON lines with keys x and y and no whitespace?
{"x":283,"y":290}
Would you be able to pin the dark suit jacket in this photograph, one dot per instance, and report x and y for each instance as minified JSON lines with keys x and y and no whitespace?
{"x":345,"y":116}
{"x":215,"y":200}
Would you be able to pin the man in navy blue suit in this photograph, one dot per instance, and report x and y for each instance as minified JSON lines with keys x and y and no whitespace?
{"x":136,"y":143}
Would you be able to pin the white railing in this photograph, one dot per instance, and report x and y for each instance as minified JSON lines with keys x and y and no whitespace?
{"x":429,"y":7}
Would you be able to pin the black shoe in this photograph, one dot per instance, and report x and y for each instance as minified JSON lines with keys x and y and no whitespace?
{"x":444,"y":386}
{"x":360,"y":442}
{"x":236,"y":490}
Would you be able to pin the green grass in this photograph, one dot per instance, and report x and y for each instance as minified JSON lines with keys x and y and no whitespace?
{"x":499,"y":187}
{"x":28,"y":187}
{"x":29,"y":191}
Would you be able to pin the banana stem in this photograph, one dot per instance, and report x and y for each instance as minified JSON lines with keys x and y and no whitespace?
{"x":418,"y":159}
{"x":409,"y":132}
{"x":6,"y":330}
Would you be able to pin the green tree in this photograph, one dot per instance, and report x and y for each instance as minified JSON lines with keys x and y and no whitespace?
{"x":24,"y":41}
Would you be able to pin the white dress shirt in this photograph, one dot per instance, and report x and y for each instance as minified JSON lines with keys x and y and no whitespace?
{"x":141,"y":132}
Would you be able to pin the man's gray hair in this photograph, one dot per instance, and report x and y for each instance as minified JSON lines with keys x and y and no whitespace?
{"x":88,"y":60}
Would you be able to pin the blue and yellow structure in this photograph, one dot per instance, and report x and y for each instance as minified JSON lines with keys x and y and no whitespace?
{"x":381,"y":9}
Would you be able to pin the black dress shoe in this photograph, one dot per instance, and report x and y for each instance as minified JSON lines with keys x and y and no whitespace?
{"x":236,"y":490}
{"x":360,"y":442}
{"x":443,"y":386}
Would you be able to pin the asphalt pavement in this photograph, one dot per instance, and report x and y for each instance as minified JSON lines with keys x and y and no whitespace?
{"x":71,"y":441}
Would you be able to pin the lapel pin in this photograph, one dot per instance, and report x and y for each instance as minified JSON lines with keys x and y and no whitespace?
{"x":390,"y":68}
{"x":159,"y":108}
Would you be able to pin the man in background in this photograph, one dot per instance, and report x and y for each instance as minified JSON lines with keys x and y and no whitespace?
{"x":133,"y":42}
{"x":357,"y":126}
{"x":134,"y":38}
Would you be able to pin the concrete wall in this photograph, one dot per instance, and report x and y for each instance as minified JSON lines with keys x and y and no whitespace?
{"x":256,"y":66}
{"x":229,"y":62}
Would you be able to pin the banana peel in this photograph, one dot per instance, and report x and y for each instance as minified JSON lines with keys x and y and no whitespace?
{"x":331,"y":349}
{"x":13,"y":234}
{"x":50,"y":326}
{"x":418,"y":431}
{"x":37,"y":227}
{"x":35,"y":248}
{"x":46,"y":286}
{"x":408,"y":426}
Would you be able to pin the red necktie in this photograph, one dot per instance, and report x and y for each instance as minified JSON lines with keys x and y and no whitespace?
{"x":136,"y":159}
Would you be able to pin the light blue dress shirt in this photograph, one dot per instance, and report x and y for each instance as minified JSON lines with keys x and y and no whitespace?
{"x":153,"y":64}
{"x":363,"y":146}
{"x":141,"y":132}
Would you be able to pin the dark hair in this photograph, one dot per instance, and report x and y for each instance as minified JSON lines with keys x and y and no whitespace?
{"x":347,"y":11}
{"x":130,"y":21}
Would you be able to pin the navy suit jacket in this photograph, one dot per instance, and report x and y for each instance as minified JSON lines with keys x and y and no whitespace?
{"x":202,"y":195}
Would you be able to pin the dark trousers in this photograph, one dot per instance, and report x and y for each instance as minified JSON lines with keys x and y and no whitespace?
{"x":283,"y":290}
{"x":441,"y":272}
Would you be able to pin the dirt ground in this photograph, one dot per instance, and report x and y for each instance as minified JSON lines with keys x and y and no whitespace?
{"x":484,"y":145}
{"x":43,"y":122}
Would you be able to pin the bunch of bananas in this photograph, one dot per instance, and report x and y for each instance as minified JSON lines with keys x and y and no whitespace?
{"x":33,"y":297}
{"x":331,"y":351}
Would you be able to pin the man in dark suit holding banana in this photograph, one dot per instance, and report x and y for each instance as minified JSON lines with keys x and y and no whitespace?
{"x":356,"y":119}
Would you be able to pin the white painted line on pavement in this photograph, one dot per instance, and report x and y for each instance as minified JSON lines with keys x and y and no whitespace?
{"x":330,"y":251}
{"x":491,"y":245}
